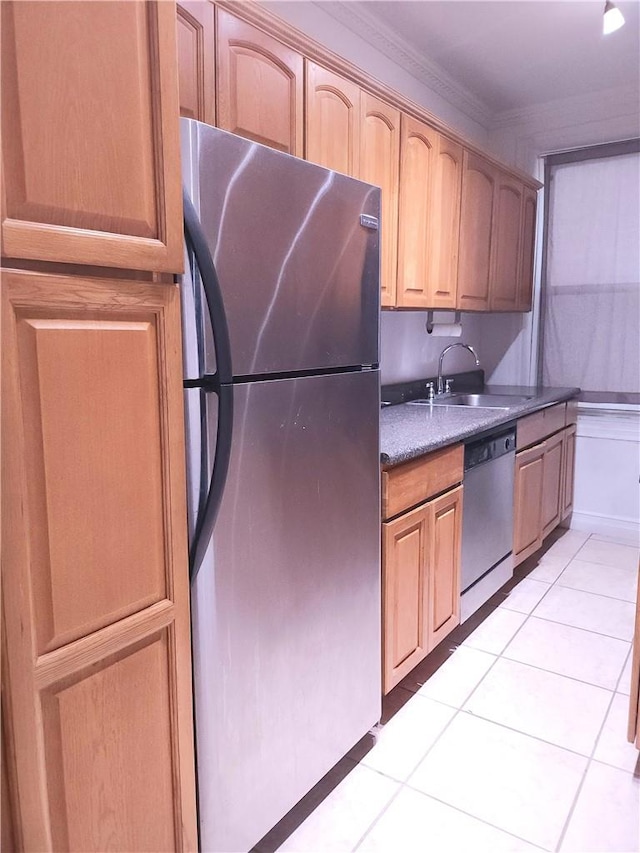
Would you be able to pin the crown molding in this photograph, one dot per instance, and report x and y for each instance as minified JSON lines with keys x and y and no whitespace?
{"x":605,"y":104}
{"x":377,"y":34}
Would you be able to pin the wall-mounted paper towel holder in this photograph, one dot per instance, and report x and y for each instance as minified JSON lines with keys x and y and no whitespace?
{"x":430,"y":324}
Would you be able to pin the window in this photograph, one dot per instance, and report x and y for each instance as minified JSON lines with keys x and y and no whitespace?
{"x":591,"y":290}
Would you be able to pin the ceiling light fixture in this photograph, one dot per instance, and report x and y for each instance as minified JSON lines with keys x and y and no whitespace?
{"x":613,"y":18}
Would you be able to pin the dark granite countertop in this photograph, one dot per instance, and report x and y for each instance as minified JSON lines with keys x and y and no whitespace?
{"x":408,"y":431}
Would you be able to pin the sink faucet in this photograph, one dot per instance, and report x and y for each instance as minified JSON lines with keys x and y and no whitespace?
{"x":442,"y":355}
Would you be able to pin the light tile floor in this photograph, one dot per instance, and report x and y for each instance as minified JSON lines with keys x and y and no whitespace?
{"x":517,"y":741}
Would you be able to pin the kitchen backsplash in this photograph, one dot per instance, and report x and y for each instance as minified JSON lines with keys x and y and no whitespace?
{"x":502,"y":342}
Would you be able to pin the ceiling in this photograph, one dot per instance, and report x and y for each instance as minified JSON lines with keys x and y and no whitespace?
{"x":502,"y":55}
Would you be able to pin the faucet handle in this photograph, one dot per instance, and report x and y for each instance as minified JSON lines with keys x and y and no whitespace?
{"x":448,"y":385}
{"x":430,"y":391}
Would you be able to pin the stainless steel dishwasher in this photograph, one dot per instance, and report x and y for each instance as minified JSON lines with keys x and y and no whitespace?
{"x":487,"y":519}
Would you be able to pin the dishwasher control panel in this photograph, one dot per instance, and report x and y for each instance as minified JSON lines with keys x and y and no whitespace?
{"x":488,"y":448}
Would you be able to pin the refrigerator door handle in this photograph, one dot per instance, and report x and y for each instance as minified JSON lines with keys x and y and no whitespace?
{"x":219,"y":383}
{"x":197,"y":242}
{"x":207,"y":517}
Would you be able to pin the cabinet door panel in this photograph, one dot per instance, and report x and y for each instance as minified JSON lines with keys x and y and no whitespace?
{"x":568,"y":469}
{"x":259,"y":86}
{"x":196,"y":65}
{"x":445,"y":224}
{"x":506,"y":250}
{"x":418,"y":150}
{"x":102,"y":780}
{"x":476,"y":232}
{"x":528,"y":502}
{"x":552,"y":483}
{"x":444,"y":565}
{"x":333,"y":121}
{"x":95,"y":534}
{"x":528,"y":240}
{"x":405,"y":591}
{"x":379,"y":165}
{"x":103,"y":190}
{"x":73,"y":362}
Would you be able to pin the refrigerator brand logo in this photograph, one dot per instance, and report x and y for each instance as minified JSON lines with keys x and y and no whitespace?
{"x":368,"y":222}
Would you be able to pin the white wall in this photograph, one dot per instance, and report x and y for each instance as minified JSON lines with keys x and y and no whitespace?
{"x":607,"y":489}
{"x":522,"y":136}
{"x":506,"y":342}
{"x":311,"y":19}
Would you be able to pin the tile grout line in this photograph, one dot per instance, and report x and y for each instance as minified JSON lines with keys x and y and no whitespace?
{"x":474,"y":817}
{"x":584,"y":776}
{"x":537,"y":737}
{"x":590,"y":759}
{"x":402,"y":784}
{"x":601,"y":594}
{"x":564,"y":675}
{"x":599,"y":633}
{"x":577,"y":627}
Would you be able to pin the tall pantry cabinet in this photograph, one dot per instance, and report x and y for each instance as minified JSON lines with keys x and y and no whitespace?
{"x":96,"y":676}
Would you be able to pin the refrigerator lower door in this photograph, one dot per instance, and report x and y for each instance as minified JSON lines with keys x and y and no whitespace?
{"x":286,"y":607}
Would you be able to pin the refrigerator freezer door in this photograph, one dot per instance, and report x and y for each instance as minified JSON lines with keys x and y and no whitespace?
{"x":286,"y":607}
{"x":297,"y":262}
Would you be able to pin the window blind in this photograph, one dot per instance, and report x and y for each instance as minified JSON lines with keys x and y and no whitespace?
{"x":591,"y":295}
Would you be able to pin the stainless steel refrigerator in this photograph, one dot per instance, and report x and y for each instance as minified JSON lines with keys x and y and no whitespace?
{"x":280,"y":321}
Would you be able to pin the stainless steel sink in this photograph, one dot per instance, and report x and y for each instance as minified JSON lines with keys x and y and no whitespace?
{"x":479,"y":401}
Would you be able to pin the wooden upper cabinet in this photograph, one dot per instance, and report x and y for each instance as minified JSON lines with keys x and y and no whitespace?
{"x":527,"y":248}
{"x":90,"y":143}
{"x":332,"y":120}
{"x":418,"y":151}
{"x":196,"y":62}
{"x":96,"y":646}
{"x":506,"y":250}
{"x":445,"y":224}
{"x":476,"y":233}
{"x":379,"y":165}
{"x":259,"y":86}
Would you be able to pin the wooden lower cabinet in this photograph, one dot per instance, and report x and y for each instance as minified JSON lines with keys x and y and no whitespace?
{"x":421,"y":582}
{"x":445,"y":532}
{"x":95,"y":593}
{"x":552,"y":497}
{"x":405,"y":589}
{"x":544,"y":479}
{"x":527,"y":529}
{"x":568,"y":470}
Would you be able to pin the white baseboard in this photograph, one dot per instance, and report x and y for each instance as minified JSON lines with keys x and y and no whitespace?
{"x":623,"y":529}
